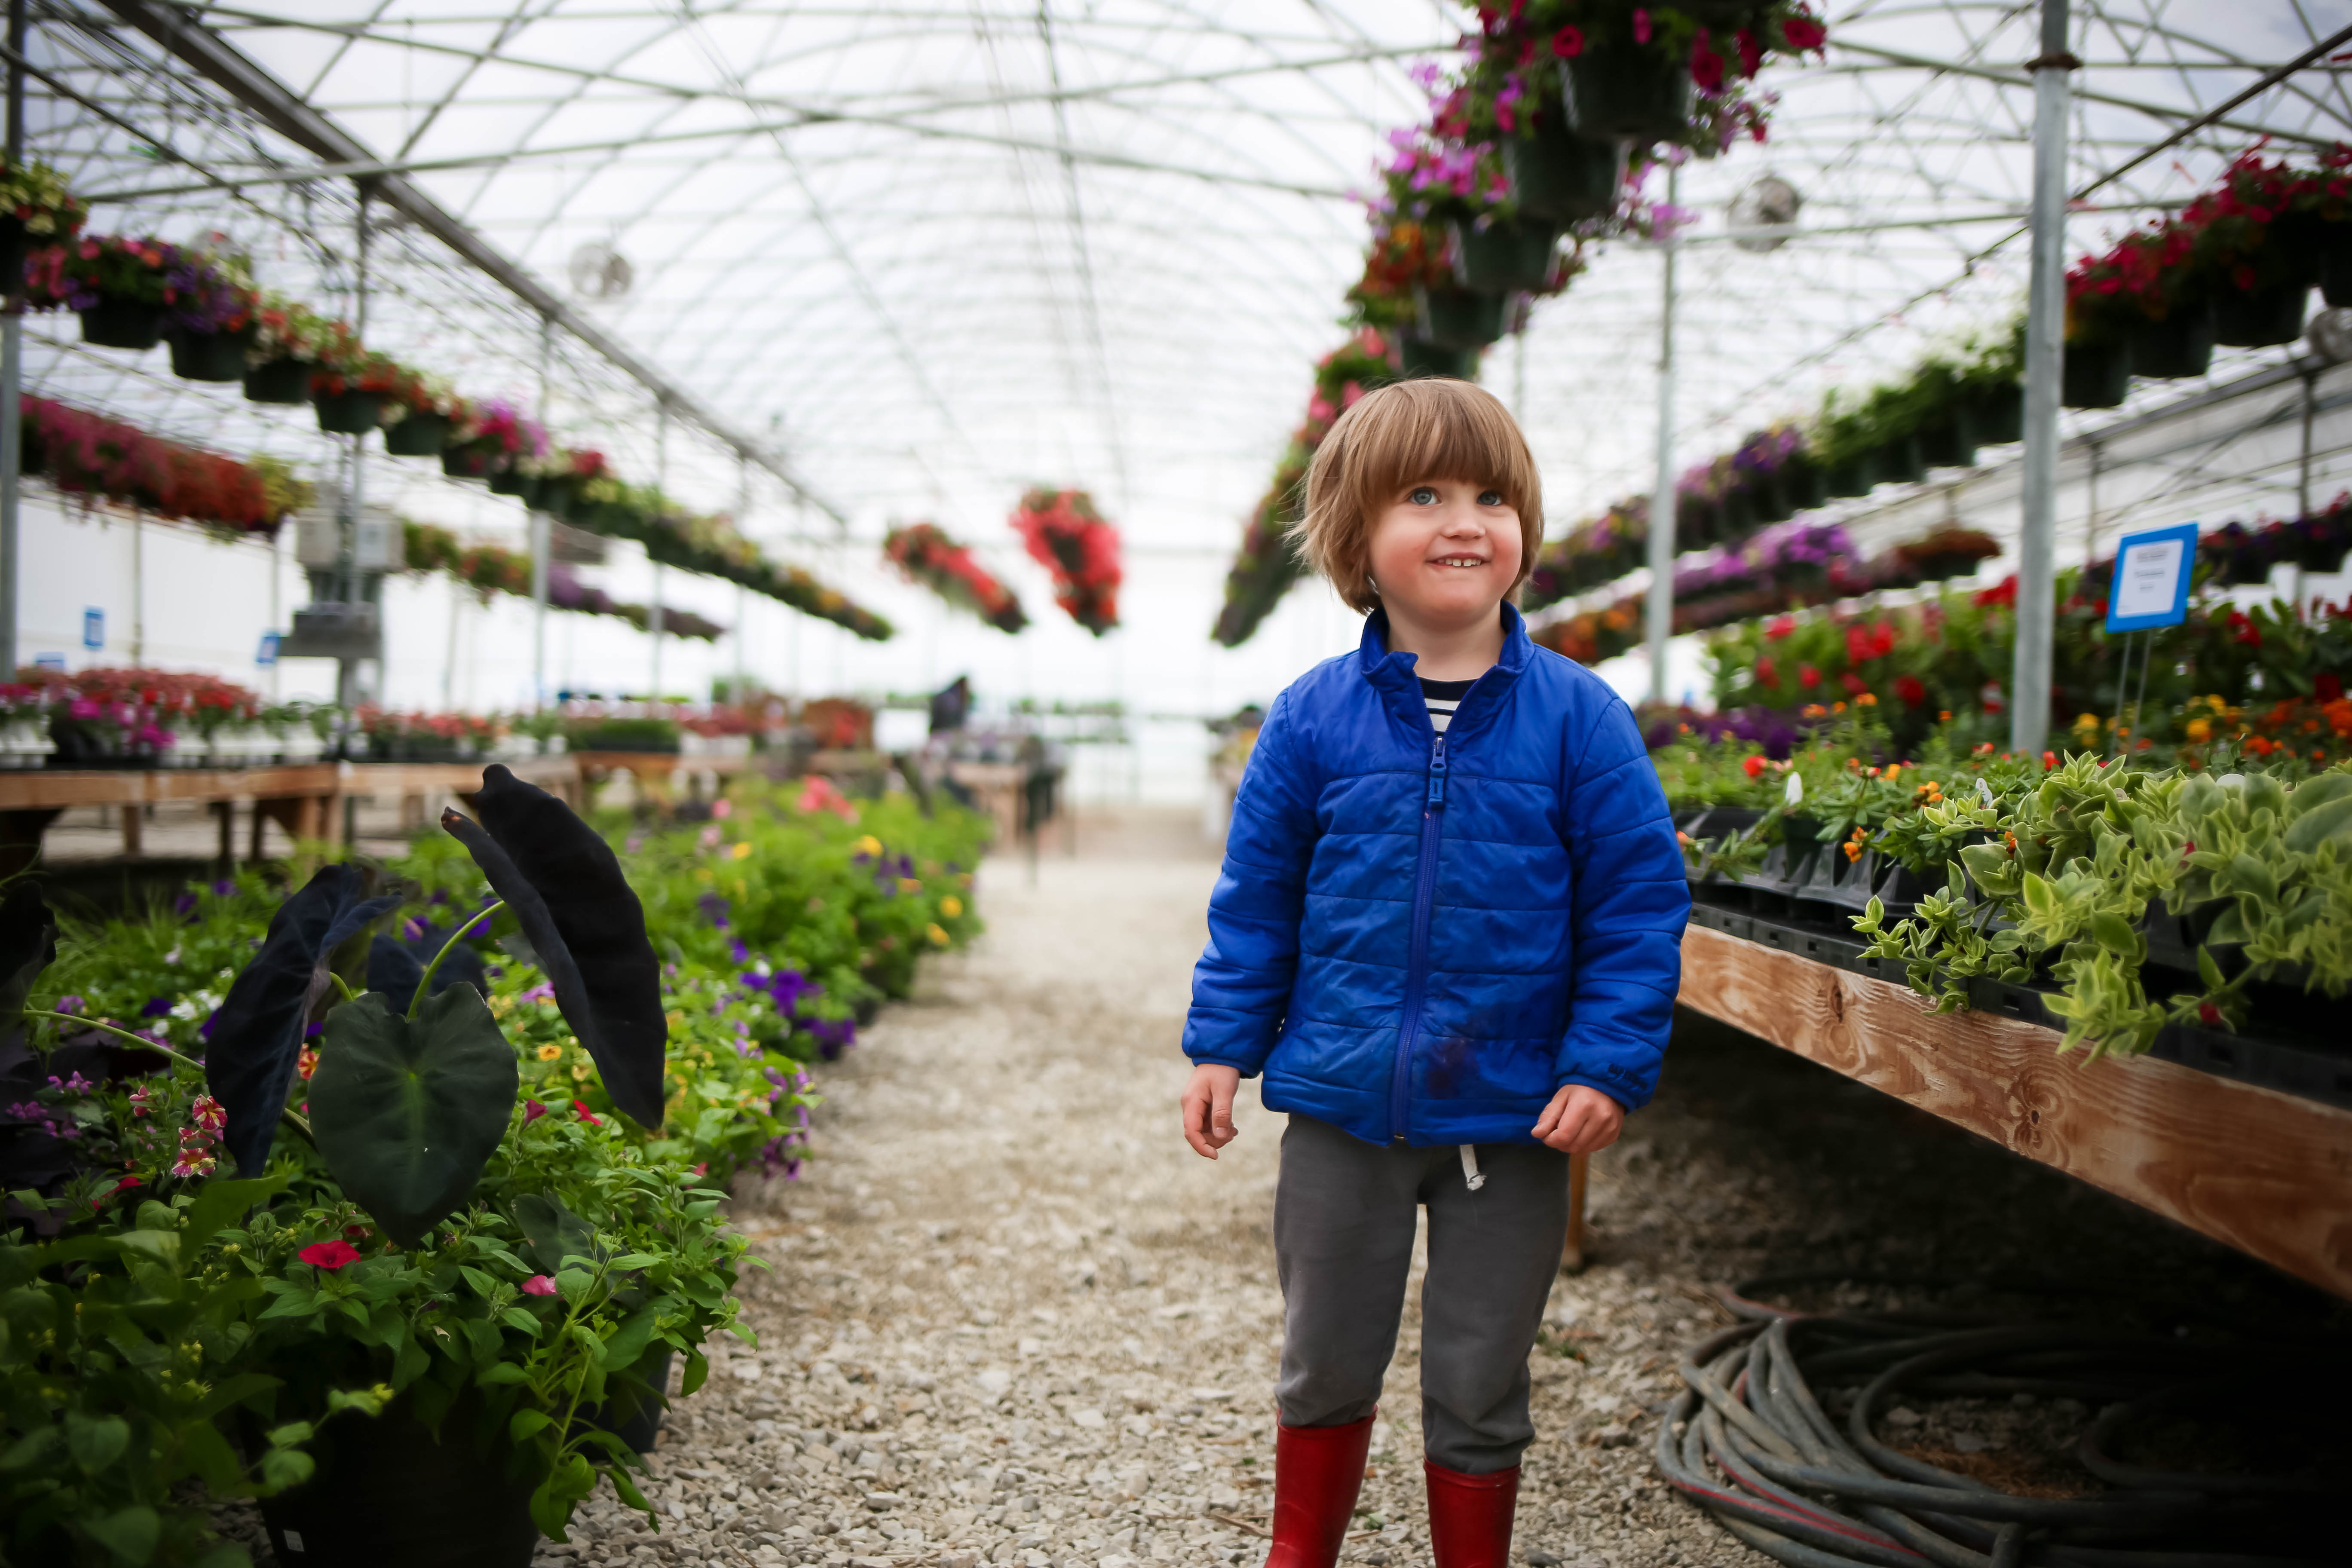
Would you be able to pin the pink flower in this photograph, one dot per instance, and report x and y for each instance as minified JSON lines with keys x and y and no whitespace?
{"x":532,"y":1111}
{"x":1751,"y":53}
{"x":1803,"y":33}
{"x":208,"y":1115}
{"x":330,"y":1254}
{"x":589,"y":1117}
{"x":1568,"y":42}
{"x":1705,"y":66}
{"x":1641,"y":26}
{"x":539,"y":1285}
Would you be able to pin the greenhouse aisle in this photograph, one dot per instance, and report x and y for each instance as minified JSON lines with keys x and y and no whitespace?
{"x":1011,"y":1318}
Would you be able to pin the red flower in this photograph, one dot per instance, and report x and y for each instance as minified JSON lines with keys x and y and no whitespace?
{"x":1568,"y":42}
{"x":532,"y":1111}
{"x":1854,"y":684}
{"x":1779,"y":627}
{"x":589,"y":1117}
{"x":2049,"y":761}
{"x":330,"y":1254}
{"x":1753,"y":766}
{"x":1803,"y":33}
{"x":539,"y":1285}
{"x":123,"y":1186}
{"x":2327,"y":688}
{"x":1641,"y":26}
{"x":1767,"y":674}
{"x":1908,"y":687}
{"x":1751,"y":53}
{"x":2209,"y":1015}
{"x":1807,"y":677}
{"x":1705,"y":66}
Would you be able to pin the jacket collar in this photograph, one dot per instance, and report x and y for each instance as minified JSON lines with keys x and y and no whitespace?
{"x":1392,"y":673}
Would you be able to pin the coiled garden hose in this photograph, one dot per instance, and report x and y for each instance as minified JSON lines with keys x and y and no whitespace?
{"x":1749,"y":1441}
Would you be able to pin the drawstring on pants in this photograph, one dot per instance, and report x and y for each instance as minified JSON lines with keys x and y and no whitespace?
{"x":1472,"y":1176}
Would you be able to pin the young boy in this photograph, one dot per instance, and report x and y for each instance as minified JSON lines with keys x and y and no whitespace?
{"x":1448,"y":931}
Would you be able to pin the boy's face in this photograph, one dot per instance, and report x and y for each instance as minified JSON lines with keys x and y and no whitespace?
{"x":1446,"y":552}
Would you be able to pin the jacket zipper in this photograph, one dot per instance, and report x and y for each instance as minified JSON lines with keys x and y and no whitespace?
{"x":1415,"y":976}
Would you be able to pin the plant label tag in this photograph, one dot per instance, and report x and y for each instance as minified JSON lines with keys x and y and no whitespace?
{"x":294,"y":1540}
{"x":2151,"y":579}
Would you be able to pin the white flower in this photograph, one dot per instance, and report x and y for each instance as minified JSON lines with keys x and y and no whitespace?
{"x":1795,"y":794}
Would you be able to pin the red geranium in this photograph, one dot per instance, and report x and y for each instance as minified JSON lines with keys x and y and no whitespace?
{"x":1908,"y":687}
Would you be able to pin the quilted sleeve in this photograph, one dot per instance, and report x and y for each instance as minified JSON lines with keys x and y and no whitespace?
{"x":1631,"y":901}
{"x":1241,"y":987}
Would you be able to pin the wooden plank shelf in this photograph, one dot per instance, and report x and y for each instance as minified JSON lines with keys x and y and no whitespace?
{"x":2266,"y":1172}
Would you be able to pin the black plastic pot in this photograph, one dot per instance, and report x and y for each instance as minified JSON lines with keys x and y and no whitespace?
{"x":1902,"y":460}
{"x":1738,"y":514}
{"x":513,"y":481}
{"x":1560,"y":176}
{"x":2259,"y":318}
{"x":556,"y":498}
{"x":348,"y":412}
{"x":416,"y":435}
{"x":1770,"y":499}
{"x":1629,"y":91}
{"x":634,"y":1415}
{"x":1800,"y":483}
{"x":2335,"y":263}
{"x":209,"y":356}
{"x":122,"y":324}
{"x":1949,"y":442}
{"x":1857,"y":475}
{"x":280,"y":381}
{"x":1504,"y":257}
{"x":2097,"y":376}
{"x":13,"y":245}
{"x":1459,"y":318}
{"x":1698,"y":522}
{"x":2175,"y":348}
{"x":387,"y":1495}
{"x":464,"y":463}
{"x":1997,"y":412}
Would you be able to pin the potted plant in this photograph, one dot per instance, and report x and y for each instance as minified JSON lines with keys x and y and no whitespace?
{"x":118,"y":284}
{"x":1441,"y":187}
{"x":924,"y":553}
{"x":288,"y":341}
{"x":2258,"y":268}
{"x":352,"y":384}
{"x":2145,"y":292}
{"x":486,"y":440}
{"x":35,"y":209}
{"x":1841,"y":444}
{"x":1069,"y":537}
{"x":210,"y":324}
{"x":422,"y":412}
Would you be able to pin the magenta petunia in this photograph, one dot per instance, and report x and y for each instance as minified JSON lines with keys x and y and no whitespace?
{"x":539,"y":1285}
{"x":330,"y":1254}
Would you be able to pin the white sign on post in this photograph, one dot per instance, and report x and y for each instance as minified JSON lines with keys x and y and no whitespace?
{"x":2144,"y":578}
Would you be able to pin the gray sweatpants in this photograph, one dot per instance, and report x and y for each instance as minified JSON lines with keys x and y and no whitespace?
{"x":1343,"y":1229}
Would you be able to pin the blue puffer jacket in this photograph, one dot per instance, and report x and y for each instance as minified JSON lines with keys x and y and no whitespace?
{"x":1423,"y":937}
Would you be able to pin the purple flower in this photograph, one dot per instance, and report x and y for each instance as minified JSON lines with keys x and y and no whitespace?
{"x":71,"y":1006}
{"x":224,"y":887}
{"x":714,"y":909}
{"x":156,"y":1008}
{"x":184,"y":905}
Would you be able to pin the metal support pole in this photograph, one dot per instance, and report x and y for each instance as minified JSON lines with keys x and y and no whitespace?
{"x":2303,"y":469}
{"x":661,"y":483}
{"x":539,"y":542}
{"x":742,"y":594}
{"x":351,"y":689}
{"x":2029,"y":705}
{"x":1658,"y":616}
{"x":12,"y":369}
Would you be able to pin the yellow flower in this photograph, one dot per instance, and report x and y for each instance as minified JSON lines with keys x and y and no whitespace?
{"x":702,"y":874}
{"x":952,"y":906}
{"x":548,"y":1053}
{"x":938,"y":936}
{"x":870,"y":844}
{"x":2199,"y":731}
{"x":580,"y":1071}
{"x":742,"y":850}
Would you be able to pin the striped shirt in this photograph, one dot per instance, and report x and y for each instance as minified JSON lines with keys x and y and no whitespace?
{"x":1444,"y":697}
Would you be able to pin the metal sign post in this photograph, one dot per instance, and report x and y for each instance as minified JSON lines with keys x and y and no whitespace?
{"x":2045,"y":349}
{"x":2149,"y":590}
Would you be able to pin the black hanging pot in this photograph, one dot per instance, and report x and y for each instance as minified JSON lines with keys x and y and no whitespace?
{"x":510,"y":480}
{"x":1856,"y":476}
{"x":1502,"y":257}
{"x":209,"y":356}
{"x":1422,"y":357}
{"x":2259,"y":318}
{"x":1738,"y":514}
{"x":465,"y":462}
{"x":417,"y":434}
{"x":2336,"y":262}
{"x":1698,"y":522}
{"x":13,"y":243}
{"x":1902,"y":461}
{"x":122,"y":324}
{"x":1630,"y":90}
{"x":1459,"y":318}
{"x":2177,"y":347}
{"x":280,"y":381}
{"x":348,"y":412}
{"x":1997,"y":412}
{"x":2097,"y":376}
{"x":1949,"y":442}
{"x":556,"y":498}
{"x":387,"y":1495}
{"x":1799,"y":482}
{"x":1556,"y":175}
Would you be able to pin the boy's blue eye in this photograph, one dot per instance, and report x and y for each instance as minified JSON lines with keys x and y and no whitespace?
{"x":1422,"y":495}
{"x":1490,"y":498}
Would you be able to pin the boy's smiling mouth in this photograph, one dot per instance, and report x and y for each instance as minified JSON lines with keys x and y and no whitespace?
{"x":1459,"y":560}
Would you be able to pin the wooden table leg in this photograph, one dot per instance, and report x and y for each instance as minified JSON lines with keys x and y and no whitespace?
{"x":227,"y":811}
{"x":261,"y":811}
{"x":130,"y":826}
{"x":1571,"y":1257}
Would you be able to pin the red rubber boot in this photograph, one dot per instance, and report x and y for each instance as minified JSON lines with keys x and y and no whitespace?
{"x":1317,"y":1472}
{"x":1470,"y":1516}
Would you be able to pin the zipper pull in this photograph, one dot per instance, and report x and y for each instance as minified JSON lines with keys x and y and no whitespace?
{"x":1437,"y":773}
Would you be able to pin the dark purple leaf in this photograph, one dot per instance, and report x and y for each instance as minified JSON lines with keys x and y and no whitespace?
{"x":257,"y":1035}
{"x":564,"y":885}
{"x":29,"y":944}
{"x":395,"y":965}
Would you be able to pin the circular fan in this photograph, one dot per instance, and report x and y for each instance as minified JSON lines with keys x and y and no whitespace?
{"x":2330,"y":334}
{"x":1768,"y":202}
{"x":600,"y":272}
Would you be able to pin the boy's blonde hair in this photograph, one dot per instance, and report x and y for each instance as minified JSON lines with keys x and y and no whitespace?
{"x":1404,"y":433}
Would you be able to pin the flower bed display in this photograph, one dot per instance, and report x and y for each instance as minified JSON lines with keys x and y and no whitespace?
{"x":1066,"y":535}
{"x":924,"y":553}
{"x":83,"y":453}
{"x":153,"y":718}
{"x":225,"y":1275}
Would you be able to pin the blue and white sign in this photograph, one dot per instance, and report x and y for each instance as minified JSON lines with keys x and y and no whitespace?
{"x":56,"y":662}
{"x":267,"y":656}
{"x":2151,"y":582}
{"x":93,"y":629}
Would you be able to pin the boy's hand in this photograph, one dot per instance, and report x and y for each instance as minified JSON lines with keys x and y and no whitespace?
{"x":1579,"y":1121}
{"x":1209,"y":1108}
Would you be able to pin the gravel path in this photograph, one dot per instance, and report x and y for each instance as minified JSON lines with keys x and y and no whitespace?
{"x":1013,"y":1319}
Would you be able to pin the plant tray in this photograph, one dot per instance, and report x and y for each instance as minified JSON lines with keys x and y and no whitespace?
{"x":2309,"y":1068}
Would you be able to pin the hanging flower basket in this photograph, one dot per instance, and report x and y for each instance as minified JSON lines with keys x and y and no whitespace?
{"x":349,"y":412}
{"x":1505,"y":257}
{"x":1069,"y":537}
{"x":1799,"y":480}
{"x":122,"y":324}
{"x":1558,"y":176}
{"x":417,"y":434}
{"x":209,"y":356}
{"x":1459,"y":318}
{"x":2097,"y":376}
{"x":465,"y":462}
{"x":1422,"y":357}
{"x":2177,"y":346}
{"x":924,"y":553}
{"x":1627,"y":90}
{"x":286,"y":380}
{"x":2259,"y":318}
{"x":510,"y":480}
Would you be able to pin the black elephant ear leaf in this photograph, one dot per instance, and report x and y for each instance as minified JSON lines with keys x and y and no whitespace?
{"x":256,"y":1034}
{"x":29,"y":944}
{"x":587,"y":928}
{"x":408,"y":1111}
{"x":396,"y":963}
